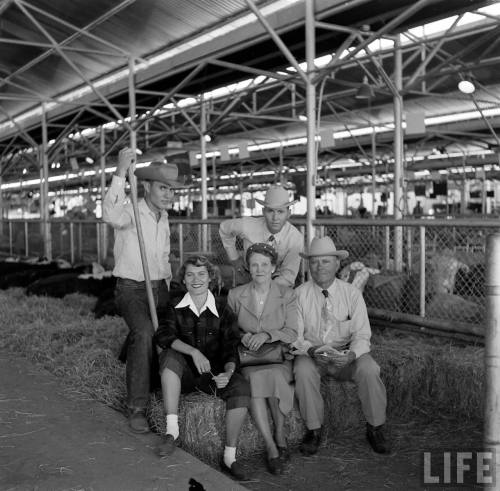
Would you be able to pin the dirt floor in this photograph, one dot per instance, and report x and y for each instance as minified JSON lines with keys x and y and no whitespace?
{"x":84,"y":446}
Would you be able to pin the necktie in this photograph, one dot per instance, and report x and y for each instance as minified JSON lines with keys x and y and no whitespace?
{"x":271,"y":241}
{"x":324,"y":309}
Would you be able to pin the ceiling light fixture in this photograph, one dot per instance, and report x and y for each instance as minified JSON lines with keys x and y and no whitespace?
{"x":365,"y":90}
{"x":466,"y":85}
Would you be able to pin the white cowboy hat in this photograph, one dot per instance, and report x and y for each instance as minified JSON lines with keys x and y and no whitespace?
{"x":276,"y":197}
{"x":324,"y":247}
{"x":158,"y":171}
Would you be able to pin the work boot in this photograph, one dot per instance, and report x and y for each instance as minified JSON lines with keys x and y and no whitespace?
{"x":137,"y":421}
{"x":376,"y":438}
{"x":310,"y":443}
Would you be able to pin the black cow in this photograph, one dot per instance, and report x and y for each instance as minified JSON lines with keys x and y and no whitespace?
{"x":60,"y":285}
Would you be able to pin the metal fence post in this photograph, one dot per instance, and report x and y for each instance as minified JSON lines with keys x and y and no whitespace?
{"x":409,"y":249}
{"x":80,"y":241}
{"x":181,"y":243}
{"x":72,"y":242}
{"x":11,"y":241}
{"x":26,"y":239}
{"x":98,"y":241}
{"x":492,"y":353}
{"x":387,"y":245}
{"x":422,"y":271}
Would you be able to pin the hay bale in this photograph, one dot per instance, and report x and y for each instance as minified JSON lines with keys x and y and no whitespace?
{"x":202,"y":426}
{"x":422,"y":375}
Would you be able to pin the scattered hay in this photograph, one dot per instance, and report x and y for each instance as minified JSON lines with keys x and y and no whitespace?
{"x":63,"y":336}
{"x":422,"y":375}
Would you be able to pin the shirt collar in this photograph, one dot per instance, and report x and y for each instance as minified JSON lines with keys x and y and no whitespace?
{"x":279,"y":234}
{"x":330,"y":289}
{"x":209,"y":304}
{"x":144,"y":208}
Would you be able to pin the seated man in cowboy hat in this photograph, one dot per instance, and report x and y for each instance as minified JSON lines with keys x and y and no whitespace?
{"x":272,"y":228}
{"x":159,"y":180}
{"x":334,"y":339}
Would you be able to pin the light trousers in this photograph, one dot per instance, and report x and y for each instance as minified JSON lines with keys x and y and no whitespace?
{"x":363,"y":371}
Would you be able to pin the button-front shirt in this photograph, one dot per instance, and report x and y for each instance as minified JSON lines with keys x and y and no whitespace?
{"x":217,"y":337}
{"x":187,"y":301}
{"x":288,"y":242}
{"x":347,"y":325}
{"x":120,"y":215}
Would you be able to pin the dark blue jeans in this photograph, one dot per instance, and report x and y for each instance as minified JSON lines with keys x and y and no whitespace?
{"x":132,"y":302}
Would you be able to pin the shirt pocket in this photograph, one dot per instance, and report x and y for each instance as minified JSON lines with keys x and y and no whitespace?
{"x":343,"y":328}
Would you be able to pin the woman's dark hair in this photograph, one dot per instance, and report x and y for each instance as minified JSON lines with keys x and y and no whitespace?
{"x":215,"y":280}
{"x":264,"y":249}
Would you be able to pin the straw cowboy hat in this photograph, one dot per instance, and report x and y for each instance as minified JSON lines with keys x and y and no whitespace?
{"x":158,"y":171}
{"x":276,"y":197}
{"x":324,"y":247}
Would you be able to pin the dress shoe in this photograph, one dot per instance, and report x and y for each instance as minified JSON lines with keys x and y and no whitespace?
{"x":236,"y":470}
{"x":275,"y":466}
{"x":376,"y":438}
{"x":310,"y":443}
{"x":167,"y":446}
{"x":137,"y":421}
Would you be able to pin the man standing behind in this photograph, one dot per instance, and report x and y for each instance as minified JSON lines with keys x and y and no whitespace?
{"x":159,"y":179}
{"x":334,"y":339}
{"x":272,"y":228}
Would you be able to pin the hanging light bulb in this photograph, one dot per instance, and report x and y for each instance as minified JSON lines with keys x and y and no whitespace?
{"x":466,"y":85}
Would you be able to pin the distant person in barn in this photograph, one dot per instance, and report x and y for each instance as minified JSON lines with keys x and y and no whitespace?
{"x":334,"y":339}
{"x":159,"y":181}
{"x":199,"y":336}
{"x":272,"y":228}
{"x":418,"y":211}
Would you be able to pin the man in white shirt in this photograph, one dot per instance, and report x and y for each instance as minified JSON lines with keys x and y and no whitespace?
{"x":334,"y":339}
{"x":159,"y":180}
{"x":272,"y":228}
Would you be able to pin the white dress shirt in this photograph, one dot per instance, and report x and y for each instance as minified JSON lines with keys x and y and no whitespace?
{"x":348,"y":319}
{"x":288,"y":242}
{"x":120,"y":215}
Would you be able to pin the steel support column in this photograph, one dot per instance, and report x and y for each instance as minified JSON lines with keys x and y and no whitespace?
{"x":102,"y":163}
{"x":311,"y":120}
{"x":44,"y":189}
{"x":398,"y":153}
{"x":2,"y":211}
{"x":374,"y":184}
{"x":492,"y":355}
{"x":203,"y":169}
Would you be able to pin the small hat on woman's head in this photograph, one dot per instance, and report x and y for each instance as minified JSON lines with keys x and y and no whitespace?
{"x":262,"y":248}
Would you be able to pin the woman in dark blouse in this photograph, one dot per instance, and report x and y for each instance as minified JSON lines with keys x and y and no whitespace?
{"x":199,"y":338}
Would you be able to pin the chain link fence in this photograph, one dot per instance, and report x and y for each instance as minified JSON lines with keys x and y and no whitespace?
{"x":433,"y":269}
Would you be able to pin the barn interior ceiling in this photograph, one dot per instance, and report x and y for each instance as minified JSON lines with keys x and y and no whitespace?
{"x":64,"y":79}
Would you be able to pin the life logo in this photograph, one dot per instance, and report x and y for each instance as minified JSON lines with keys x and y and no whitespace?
{"x":465,"y":467}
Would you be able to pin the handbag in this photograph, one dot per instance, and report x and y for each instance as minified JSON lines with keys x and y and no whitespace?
{"x":267,"y":354}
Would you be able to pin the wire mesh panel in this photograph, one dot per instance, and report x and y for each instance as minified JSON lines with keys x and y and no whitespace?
{"x":455,"y":269}
{"x":442,"y":271}
{"x":61,"y":240}
{"x":439,"y":274}
{"x":186,"y":239}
